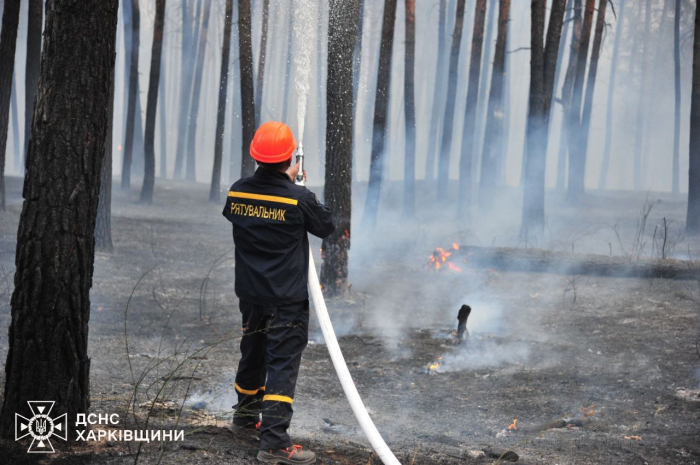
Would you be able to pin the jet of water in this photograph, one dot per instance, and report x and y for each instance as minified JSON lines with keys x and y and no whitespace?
{"x":304,"y":44}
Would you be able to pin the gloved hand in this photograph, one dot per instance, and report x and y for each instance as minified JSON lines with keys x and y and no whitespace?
{"x":293,"y":171}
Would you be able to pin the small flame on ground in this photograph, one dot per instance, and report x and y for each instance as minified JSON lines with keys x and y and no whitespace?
{"x":441,"y":256}
{"x":455,"y":246}
{"x":436,"y":365}
{"x":588,"y":411}
{"x":513,"y":426}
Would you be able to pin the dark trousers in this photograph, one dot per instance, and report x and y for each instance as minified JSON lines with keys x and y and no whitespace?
{"x":271,"y":347}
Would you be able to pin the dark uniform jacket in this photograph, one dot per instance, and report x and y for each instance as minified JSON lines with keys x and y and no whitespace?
{"x":270,"y":217}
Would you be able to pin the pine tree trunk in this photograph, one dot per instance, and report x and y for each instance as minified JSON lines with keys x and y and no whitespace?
{"x":162,"y":124}
{"x":484,"y":80}
{"x":446,"y":144}
{"x":133,"y":95}
{"x":260,"y":79}
{"x":409,"y":174}
{"x":221,"y":110}
{"x":467,"y":155}
{"x":693,"y":219}
{"x":677,"y":89}
{"x":152,"y":105}
{"x":438,"y":91}
{"x":35,"y":20}
{"x":603,"y":180}
{"x":494,"y":119}
{"x":103,"y":220}
{"x":8,"y":41}
{"x":639,"y":133}
{"x":566,"y":94}
{"x":48,"y":353}
{"x":15,"y":125}
{"x":381,"y":108}
{"x":342,"y":30}
{"x":566,"y":28}
{"x":575,"y":187}
{"x":245,"y":54}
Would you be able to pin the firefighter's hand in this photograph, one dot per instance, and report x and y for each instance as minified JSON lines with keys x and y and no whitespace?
{"x":293,"y":171}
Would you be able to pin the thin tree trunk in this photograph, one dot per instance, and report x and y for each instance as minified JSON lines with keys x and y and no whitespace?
{"x":693,"y":219}
{"x":288,"y":64}
{"x":438,"y":91}
{"x":566,"y":95}
{"x":603,"y":180}
{"x":409,"y":174}
{"x":190,"y":33}
{"x":48,"y":338}
{"x":221,"y":110}
{"x":245,"y":56}
{"x":575,"y":187}
{"x":381,"y":108}
{"x":133,"y":95}
{"x":260,"y":81}
{"x":446,"y":145}
{"x":35,"y":20}
{"x":152,"y":105}
{"x":162,"y":125}
{"x":103,"y":220}
{"x":639,"y":133}
{"x":485,"y":78}
{"x":342,"y":29}
{"x":191,"y":172}
{"x":8,"y":41}
{"x":494,"y":118}
{"x":15,"y":125}
{"x":580,"y":148}
{"x":677,"y":102}
{"x":466,"y":158}
{"x":566,"y":29}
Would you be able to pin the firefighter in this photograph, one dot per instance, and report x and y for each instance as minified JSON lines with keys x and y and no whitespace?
{"x":271,"y":216}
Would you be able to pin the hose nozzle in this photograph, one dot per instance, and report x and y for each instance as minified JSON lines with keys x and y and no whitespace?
{"x":299,"y":181}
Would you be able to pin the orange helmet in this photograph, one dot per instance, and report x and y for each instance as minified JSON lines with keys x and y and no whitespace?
{"x":273,"y":143}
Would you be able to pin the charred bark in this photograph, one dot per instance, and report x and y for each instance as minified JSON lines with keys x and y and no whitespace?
{"x":245,"y":54}
{"x":103,"y":220}
{"x":133,"y":95}
{"x":603,"y":180}
{"x":35,"y":20}
{"x":221,"y":110}
{"x":446,"y":145}
{"x":152,"y":104}
{"x":494,"y":119}
{"x":8,"y":41}
{"x":438,"y":91}
{"x":677,"y":101}
{"x":381,"y":108}
{"x":162,"y":122}
{"x":260,"y":79}
{"x":48,"y":353}
{"x":342,"y":30}
{"x":693,"y":218}
{"x":15,"y":125}
{"x":409,"y":174}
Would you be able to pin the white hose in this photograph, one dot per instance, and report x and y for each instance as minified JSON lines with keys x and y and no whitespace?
{"x":358,"y":408}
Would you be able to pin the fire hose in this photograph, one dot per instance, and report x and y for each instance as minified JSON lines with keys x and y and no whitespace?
{"x":356,"y":404}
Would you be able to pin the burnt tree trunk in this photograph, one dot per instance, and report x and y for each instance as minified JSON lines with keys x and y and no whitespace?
{"x":446,"y":144}
{"x":438,"y":92}
{"x":566,"y":29}
{"x":693,"y":218}
{"x":409,"y":173}
{"x":190,"y":171}
{"x":342,"y":30}
{"x":467,"y":155}
{"x":543,"y":67}
{"x":152,"y":104}
{"x":133,"y":95}
{"x":35,"y":20}
{"x":495,"y":112}
{"x":260,"y":78}
{"x":48,"y":338}
{"x":484,"y":80}
{"x":577,"y":173}
{"x":15,"y":125}
{"x":245,"y":54}
{"x":221,"y":110}
{"x":677,"y":102}
{"x":8,"y":41}
{"x":641,"y":111}
{"x":381,"y":108}
{"x":189,"y":35}
{"x":603,"y":179}
{"x":162,"y":119}
{"x":103,"y":220}
{"x":566,"y":96}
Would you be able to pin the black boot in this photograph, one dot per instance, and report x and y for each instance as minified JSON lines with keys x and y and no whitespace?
{"x":290,"y":455}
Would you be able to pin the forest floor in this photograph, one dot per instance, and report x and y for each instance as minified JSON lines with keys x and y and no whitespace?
{"x":595,"y":370}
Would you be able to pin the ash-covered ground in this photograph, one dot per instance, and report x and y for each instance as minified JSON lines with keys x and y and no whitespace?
{"x":595,"y":370}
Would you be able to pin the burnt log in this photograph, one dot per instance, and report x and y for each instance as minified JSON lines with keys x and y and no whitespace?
{"x":548,"y":261}
{"x":462,"y":316}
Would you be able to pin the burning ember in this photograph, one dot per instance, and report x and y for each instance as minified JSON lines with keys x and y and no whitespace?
{"x":441,"y":257}
{"x":588,"y":411}
{"x":433,"y":368}
{"x":513,"y":426}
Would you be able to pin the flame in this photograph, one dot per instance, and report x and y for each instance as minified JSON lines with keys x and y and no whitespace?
{"x":441,"y":256}
{"x":453,"y":267}
{"x":455,"y":246}
{"x":588,"y":411}
{"x":434,"y":366}
{"x":513,"y":426}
